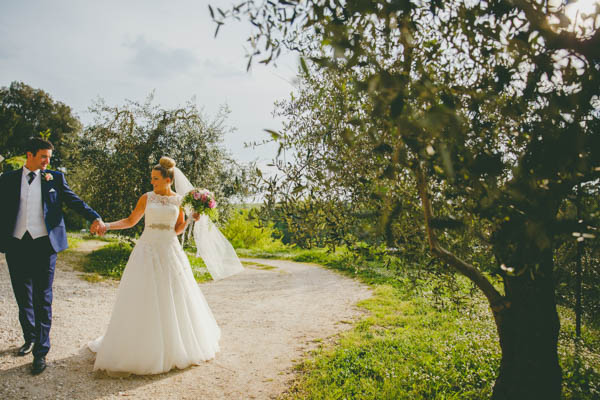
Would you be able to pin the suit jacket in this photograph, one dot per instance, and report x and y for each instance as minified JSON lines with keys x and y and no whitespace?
{"x":55,"y":193}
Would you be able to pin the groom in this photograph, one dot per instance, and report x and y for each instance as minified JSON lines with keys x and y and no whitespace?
{"x":32,"y":231}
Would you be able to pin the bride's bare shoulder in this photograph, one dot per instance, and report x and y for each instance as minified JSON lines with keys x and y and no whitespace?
{"x":144,"y":198}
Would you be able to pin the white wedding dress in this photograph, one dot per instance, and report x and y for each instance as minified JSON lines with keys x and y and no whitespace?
{"x":160,"y":319}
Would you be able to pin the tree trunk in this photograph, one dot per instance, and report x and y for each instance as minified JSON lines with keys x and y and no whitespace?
{"x":528,"y":331}
{"x":526,"y":316}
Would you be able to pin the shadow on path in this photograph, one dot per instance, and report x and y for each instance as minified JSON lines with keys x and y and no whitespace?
{"x":77,"y":370}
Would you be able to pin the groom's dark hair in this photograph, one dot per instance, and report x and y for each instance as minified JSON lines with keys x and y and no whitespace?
{"x":34,"y":144}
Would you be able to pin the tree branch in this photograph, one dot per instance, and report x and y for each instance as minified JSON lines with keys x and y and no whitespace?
{"x":496,"y":300}
{"x":563,"y":40}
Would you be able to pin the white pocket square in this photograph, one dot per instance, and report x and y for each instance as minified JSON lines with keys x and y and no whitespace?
{"x":51,"y":191}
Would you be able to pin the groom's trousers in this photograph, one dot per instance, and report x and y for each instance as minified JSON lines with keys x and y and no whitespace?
{"x":31,"y":264}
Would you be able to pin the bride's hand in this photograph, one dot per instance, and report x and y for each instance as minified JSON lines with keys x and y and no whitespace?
{"x":196,"y":216}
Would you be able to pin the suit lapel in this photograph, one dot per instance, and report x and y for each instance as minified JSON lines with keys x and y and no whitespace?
{"x":46,"y":186}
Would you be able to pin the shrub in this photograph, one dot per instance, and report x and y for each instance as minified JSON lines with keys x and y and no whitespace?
{"x":244,"y":231}
{"x":14,"y":163}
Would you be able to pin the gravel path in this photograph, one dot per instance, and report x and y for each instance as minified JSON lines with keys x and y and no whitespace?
{"x":269,"y":318}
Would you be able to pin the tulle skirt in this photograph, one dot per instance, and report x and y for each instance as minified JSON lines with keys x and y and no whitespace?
{"x":160,"y":319}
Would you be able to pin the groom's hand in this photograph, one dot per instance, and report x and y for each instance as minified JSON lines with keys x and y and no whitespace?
{"x":94,"y":227}
{"x":98,"y":227}
{"x":101,"y":228}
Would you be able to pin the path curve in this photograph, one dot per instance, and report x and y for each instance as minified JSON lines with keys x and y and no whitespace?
{"x":270,"y":318}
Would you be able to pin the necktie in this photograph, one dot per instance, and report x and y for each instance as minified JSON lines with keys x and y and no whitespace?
{"x":30,"y":177}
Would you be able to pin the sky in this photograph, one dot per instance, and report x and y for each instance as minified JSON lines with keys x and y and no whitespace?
{"x":78,"y":51}
{"x":578,"y":12}
{"x":124,"y":49}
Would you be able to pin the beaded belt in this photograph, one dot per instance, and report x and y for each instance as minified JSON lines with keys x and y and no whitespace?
{"x":162,"y":227}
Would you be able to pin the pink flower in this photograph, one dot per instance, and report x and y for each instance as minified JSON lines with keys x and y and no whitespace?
{"x":196,"y":195}
{"x":48,"y":177}
{"x":203,"y":197}
{"x":212,"y":204}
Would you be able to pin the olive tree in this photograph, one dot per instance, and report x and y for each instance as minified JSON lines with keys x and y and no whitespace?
{"x":495,"y":103}
{"x":26,"y":112}
{"x":118,"y":151}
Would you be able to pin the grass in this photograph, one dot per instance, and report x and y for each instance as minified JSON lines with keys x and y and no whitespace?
{"x":406,"y":348}
{"x":415,"y":345}
{"x":580,"y":360}
{"x":201,"y":274}
{"x":317,"y":256}
{"x":110,"y":260}
{"x":79,"y":260}
{"x":259,"y":266}
{"x":74,"y":241}
{"x":75,"y":258}
{"x":75,"y":238}
{"x":92,"y":277}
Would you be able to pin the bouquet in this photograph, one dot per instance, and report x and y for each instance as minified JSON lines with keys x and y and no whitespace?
{"x":201,"y":201}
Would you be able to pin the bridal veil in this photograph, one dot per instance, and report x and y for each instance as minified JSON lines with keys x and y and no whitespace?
{"x":214,"y":249}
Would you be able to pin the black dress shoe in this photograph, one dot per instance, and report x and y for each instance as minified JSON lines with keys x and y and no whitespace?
{"x":25,"y":349}
{"x":39,"y":365}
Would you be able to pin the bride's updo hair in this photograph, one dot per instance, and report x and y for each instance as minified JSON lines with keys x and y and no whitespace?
{"x":166,"y":166}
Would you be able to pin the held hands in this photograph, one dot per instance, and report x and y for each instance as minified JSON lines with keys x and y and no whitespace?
{"x":196,"y":216}
{"x":98,"y":228}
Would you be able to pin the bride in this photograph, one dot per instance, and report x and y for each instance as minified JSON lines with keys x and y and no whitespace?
{"x":160,"y":319}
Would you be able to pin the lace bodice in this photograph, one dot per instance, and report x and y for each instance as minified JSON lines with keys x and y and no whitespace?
{"x":162,"y":211}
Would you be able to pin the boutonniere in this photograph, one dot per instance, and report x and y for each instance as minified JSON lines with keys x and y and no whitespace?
{"x":47,"y":176}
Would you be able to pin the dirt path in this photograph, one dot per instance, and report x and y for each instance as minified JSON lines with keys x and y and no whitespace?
{"x":269,"y":317}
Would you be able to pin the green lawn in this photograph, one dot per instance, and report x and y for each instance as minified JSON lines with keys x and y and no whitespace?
{"x":422,"y":342}
{"x":404,"y":349}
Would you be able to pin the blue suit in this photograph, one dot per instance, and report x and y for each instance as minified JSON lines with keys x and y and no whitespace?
{"x":31,"y":262}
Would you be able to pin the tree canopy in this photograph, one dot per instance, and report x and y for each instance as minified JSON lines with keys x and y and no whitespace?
{"x":25,"y":112}
{"x":117,"y":152}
